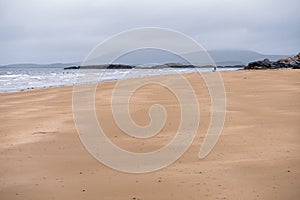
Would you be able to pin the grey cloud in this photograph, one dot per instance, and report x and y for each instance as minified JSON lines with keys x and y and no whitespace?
{"x":65,"y":30}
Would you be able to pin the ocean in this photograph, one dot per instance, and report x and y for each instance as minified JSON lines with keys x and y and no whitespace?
{"x":28,"y":77}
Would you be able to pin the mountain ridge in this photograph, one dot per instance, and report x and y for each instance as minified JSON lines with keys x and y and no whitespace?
{"x":220,"y":58}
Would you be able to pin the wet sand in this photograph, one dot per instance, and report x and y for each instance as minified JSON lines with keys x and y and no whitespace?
{"x":256,"y":157}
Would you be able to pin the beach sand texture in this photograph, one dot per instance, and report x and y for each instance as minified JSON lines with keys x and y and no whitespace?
{"x":256,"y":157}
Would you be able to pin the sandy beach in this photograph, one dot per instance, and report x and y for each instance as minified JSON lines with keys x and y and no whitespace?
{"x":256,"y":157}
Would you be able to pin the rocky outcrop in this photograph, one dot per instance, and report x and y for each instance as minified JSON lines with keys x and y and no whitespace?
{"x":72,"y":67}
{"x":289,"y":62}
{"x":119,"y":66}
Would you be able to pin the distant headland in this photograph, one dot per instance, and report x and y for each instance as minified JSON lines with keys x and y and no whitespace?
{"x":288,"y":62}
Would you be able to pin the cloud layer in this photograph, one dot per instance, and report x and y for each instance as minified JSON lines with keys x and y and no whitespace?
{"x":66,"y":30}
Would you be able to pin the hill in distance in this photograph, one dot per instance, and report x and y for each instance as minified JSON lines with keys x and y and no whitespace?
{"x":147,"y":57}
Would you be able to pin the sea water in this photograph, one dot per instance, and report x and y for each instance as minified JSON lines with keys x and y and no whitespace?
{"x":27,"y":77}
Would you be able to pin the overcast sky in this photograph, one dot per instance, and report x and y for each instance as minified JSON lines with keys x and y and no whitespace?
{"x":41,"y":31}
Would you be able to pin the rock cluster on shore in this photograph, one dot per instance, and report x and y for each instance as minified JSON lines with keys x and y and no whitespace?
{"x":289,"y":62}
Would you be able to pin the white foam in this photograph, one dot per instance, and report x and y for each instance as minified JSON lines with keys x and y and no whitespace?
{"x":22,"y":79}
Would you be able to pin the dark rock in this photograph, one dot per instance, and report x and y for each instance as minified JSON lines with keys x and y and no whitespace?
{"x":293,"y":62}
{"x":265,"y":64}
{"x":178,"y":65}
{"x":119,"y":66}
{"x":73,"y":67}
{"x":290,"y":62}
{"x":296,"y":67}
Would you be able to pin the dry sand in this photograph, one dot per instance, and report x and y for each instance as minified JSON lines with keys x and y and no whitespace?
{"x":256,"y":157}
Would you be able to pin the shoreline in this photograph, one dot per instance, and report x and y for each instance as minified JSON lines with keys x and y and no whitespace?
{"x":184,"y":73}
